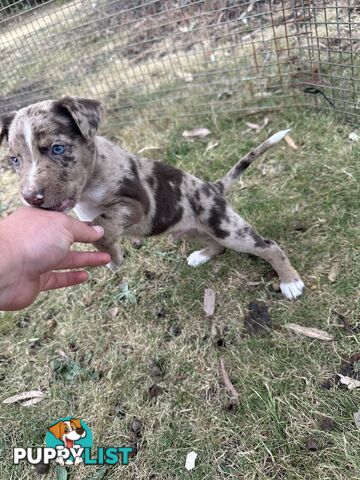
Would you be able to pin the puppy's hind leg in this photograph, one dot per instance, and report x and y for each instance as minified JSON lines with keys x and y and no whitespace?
{"x":205,"y":255}
{"x":231,"y":231}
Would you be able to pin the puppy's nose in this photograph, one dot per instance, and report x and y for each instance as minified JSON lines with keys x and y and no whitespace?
{"x":34,"y":197}
{"x":80,"y":431}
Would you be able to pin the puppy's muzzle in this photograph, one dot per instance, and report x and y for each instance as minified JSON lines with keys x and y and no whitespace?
{"x":34,"y":197}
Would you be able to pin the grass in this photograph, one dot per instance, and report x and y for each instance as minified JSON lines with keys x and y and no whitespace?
{"x":306,"y":200}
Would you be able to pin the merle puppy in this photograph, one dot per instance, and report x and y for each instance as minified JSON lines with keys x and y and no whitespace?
{"x":63,"y":164}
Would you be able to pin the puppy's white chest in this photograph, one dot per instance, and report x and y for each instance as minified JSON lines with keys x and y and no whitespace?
{"x":86,"y":211}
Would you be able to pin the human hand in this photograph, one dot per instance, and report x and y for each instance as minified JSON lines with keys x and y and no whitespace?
{"x":34,"y":245}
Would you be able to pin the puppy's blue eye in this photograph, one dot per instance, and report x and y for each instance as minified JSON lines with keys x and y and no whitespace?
{"x":15,"y":161}
{"x":58,"y":149}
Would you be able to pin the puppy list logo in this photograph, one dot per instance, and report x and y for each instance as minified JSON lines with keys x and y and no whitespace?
{"x":69,"y":442}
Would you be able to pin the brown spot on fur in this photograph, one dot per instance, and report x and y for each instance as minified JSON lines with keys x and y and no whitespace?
{"x":260,"y":242}
{"x":217,"y":215}
{"x":151,"y":181}
{"x":132,"y":188}
{"x":208,"y":188}
{"x":167,"y":197}
{"x":220,"y":187}
{"x":196,"y":205}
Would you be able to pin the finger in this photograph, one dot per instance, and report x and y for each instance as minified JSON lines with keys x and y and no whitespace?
{"x":81,"y":232}
{"x":83,"y":259}
{"x":55,"y":280}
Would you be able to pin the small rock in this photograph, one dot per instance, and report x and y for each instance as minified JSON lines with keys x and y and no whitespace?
{"x":154,"y":391}
{"x":155,"y":368}
{"x":257,"y":320}
{"x":135,"y":426}
{"x":312,"y":444}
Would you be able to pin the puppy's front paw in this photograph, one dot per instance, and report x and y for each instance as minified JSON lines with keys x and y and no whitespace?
{"x":197,"y":258}
{"x":292,"y":290}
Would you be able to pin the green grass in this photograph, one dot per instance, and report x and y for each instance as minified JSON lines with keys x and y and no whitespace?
{"x":308,"y":201}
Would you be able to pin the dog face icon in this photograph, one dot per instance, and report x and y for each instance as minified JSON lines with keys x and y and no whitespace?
{"x":68,"y":431}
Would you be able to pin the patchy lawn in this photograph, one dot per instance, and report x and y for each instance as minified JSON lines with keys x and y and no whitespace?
{"x":292,"y":419}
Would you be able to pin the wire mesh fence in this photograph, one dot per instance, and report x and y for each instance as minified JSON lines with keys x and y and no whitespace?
{"x":142,"y":57}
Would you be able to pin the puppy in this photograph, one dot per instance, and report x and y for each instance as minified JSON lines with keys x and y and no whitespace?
{"x":68,"y":432}
{"x":63,"y":164}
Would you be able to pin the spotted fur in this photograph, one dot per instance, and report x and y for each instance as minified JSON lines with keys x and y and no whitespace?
{"x":126,"y":194}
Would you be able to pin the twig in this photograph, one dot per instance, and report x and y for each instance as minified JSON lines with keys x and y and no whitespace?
{"x":234,"y":393}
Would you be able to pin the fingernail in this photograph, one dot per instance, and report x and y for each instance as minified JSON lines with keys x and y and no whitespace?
{"x":98,"y":229}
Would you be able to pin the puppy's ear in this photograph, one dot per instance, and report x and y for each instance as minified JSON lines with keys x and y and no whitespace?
{"x":5,"y":122}
{"x":56,"y":430}
{"x":86,"y":113}
{"x":76,"y":422}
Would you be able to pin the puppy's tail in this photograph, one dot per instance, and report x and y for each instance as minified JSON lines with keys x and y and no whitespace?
{"x":224,"y":184}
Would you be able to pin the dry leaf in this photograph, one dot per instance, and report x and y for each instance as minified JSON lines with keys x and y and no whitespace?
{"x":209,"y":301}
{"x":354,"y":137}
{"x":357,"y":419}
{"x":253,"y":126}
{"x":351,"y":383}
{"x":290,"y":142}
{"x":309,"y":332}
{"x":30,"y":395}
{"x":210,"y":146}
{"x":150,"y":147}
{"x":334,"y":272}
{"x":32,"y":401}
{"x":190,"y":460}
{"x":196,"y":133}
{"x":113,"y":312}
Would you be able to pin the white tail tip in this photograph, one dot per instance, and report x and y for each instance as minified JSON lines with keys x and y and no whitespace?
{"x":278,"y":136}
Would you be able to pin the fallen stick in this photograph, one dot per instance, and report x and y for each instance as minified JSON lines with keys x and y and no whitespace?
{"x":227,"y":382}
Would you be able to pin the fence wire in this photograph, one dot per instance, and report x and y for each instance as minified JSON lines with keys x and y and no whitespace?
{"x":149,"y":57}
